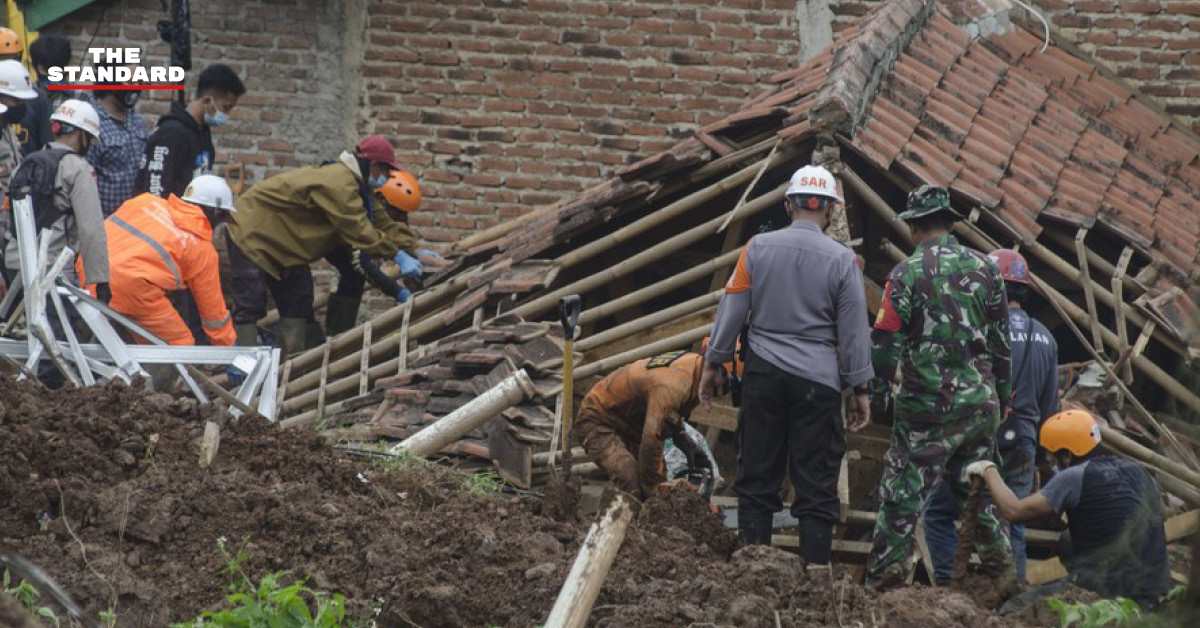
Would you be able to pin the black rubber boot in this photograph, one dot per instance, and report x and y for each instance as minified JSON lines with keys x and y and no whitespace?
{"x":755,"y":528}
{"x":292,"y":335}
{"x":247,"y":334}
{"x":816,"y":540}
{"x":341,"y":313}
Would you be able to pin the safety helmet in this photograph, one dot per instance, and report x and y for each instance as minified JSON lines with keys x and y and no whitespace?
{"x":1073,"y":430}
{"x":733,"y":368}
{"x":10,"y":42}
{"x":813,"y":181}
{"x":402,"y":191}
{"x":14,"y":80}
{"x":209,"y":190}
{"x":78,"y":114}
{"x":926,"y":200}
{"x":1013,"y":268}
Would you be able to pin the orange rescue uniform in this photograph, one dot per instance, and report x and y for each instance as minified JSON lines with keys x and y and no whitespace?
{"x":625,"y":419}
{"x":156,"y":245}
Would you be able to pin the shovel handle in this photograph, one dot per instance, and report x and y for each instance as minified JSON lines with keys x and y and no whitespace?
{"x":568,"y":314}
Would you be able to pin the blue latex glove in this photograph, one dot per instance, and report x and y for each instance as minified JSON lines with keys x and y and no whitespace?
{"x":430,"y":253}
{"x":235,"y":375}
{"x":410,"y":267}
{"x":405,"y":293}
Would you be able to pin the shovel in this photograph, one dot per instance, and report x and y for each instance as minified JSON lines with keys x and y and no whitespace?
{"x":568,"y":315}
{"x":45,"y":585}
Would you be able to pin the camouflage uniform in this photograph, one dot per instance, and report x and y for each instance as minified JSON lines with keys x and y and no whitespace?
{"x":944,"y":317}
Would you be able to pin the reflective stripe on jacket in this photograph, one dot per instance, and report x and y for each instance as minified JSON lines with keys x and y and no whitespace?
{"x":157,"y":245}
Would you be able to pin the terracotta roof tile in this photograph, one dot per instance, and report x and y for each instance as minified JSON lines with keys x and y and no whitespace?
{"x":903,"y":92}
{"x":876,"y":149}
{"x":901,"y":120}
{"x":970,"y":89}
{"x":1053,"y":69}
{"x":985,"y":157}
{"x":935,"y":50}
{"x":1007,"y":122}
{"x":1190,"y":174}
{"x":1018,"y":219}
{"x":988,"y":59}
{"x":981,"y":187}
{"x":886,"y":140}
{"x":1025,"y":192}
{"x":941,"y":166}
{"x":918,"y":171}
{"x":944,"y":120}
{"x":962,"y":110}
{"x":1081,"y":66}
{"x":1049,"y":141}
{"x":1062,"y":118}
{"x":1013,"y":45}
{"x":1094,"y":98}
{"x":918,"y":73}
{"x":1099,"y":152}
{"x":949,"y":30}
{"x":1038,"y":181}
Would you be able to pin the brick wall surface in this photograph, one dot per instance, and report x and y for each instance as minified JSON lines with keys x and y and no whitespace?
{"x":289,"y":54}
{"x":504,"y":105}
{"x":1153,"y":44}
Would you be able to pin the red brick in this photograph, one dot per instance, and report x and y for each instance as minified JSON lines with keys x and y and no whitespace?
{"x":1115,"y":22}
{"x":1185,"y":7}
{"x":1094,"y":6}
{"x":1140,"y":6}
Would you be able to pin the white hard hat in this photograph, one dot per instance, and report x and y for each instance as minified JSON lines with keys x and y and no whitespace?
{"x":14,"y":80}
{"x":210,"y":190}
{"x":814,"y":180}
{"x":78,"y":114}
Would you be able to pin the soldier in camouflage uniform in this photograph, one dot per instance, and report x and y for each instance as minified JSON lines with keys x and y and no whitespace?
{"x":944,"y":318}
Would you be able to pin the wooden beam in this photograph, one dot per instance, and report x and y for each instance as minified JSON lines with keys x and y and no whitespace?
{"x":1085,"y":280}
{"x":1118,"y":290}
{"x":591,"y":566}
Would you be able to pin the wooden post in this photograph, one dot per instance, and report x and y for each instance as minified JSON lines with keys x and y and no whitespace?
{"x":281,"y":394}
{"x":1118,"y":290}
{"x":1085,"y":279}
{"x":591,"y":566}
{"x":209,"y":444}
{"x":433,"y":437}
{"x":365,"y":365}
{"x":324,"y":383}
{"x":403,"y":365}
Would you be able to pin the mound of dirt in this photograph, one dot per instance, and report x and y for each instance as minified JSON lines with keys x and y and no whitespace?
{"x":104,"y":492}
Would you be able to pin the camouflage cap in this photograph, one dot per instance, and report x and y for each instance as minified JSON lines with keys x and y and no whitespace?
{"x":926,"y":200}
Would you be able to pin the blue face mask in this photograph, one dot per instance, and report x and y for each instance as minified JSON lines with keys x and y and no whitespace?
{"x":377,"y":182}
{"x":216,"y":119}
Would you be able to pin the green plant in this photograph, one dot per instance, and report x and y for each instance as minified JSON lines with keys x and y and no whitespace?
{"x":1118,"y":612}
{"x":108,"y":618}
{"x":28,"y":596}
{"x":485,"y":483}
{"x":269,"y":603}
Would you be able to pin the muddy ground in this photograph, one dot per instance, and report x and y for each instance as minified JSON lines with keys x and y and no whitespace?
{"x":103,"y":489}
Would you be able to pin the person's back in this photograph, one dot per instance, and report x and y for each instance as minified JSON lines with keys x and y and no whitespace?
{"x":794,"y":317}
{"x":1114,"y":513}
{"x":653,"y":386}
{"x":951,"y":293}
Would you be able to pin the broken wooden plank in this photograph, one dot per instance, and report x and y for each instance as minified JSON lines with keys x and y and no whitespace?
{"x":596,"y":555}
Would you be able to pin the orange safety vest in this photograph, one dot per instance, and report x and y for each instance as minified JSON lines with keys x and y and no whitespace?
{"x":157,"y":245}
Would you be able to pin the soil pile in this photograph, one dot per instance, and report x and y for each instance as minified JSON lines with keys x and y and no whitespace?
{"x":104,"y":492}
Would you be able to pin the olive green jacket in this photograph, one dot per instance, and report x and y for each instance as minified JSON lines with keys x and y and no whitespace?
{"x":298,"y":217}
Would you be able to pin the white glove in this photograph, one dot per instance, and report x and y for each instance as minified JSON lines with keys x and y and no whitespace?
{"x":976,"y":469}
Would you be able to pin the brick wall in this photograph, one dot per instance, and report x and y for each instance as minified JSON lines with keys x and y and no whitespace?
{"x":504,"y":105}
{"x":289,"y":54}
{"x":1153,"y":44}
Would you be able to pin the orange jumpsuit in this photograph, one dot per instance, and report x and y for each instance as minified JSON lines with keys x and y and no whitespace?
{"x":156,"y":245}
{"x":625,"y":419}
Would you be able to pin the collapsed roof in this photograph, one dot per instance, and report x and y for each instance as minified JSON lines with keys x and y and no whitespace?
{"x":1096,"y":185}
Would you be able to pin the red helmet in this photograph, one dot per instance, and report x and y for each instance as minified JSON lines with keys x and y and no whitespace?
{"x":1013,"y":268}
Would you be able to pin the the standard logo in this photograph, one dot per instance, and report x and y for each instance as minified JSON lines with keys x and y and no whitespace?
{"x":115,"y":68}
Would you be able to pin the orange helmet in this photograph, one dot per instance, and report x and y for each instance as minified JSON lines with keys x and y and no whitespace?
{"x":1073,"y":430}
{"x":402,"y":191}
{"x":10,"y":43}
{"x":734,"y":368}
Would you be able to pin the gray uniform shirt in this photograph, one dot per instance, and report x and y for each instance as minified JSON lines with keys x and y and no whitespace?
{"x":1034,"y":377}
{"x":804,"y":296}
{"x":82,"y":225}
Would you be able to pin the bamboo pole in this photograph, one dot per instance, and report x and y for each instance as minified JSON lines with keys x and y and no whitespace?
{"x":1089,"y":289}
{"x":1095,"y":259}
{"x":674,"y":342}
{"x":650,"y":320}
{"x":1118,"y":290}
{"x":876,"y":204}
{"x":660,"y":288}
{"x":508,"y":226}
{"x":591,"y":566}
{"x":645,"y":258}
{"x":664,"y":214}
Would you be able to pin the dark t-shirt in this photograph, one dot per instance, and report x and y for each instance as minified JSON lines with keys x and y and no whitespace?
{"x":1114,"y":508}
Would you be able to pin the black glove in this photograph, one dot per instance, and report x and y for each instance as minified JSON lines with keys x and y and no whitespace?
{"x":103,"y":292}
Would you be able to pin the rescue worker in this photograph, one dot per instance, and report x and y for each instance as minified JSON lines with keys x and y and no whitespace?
{"x":123,"y":134}
{"x":33,"y":130}
{"x":1115,"y":543}
{"x":49,"y":51}
{"x":15,"y":90}
{"x":66,"y":203}
{"x":157,"y":245}
{"x":944,"y":317}
{"x":1035,"y":399}
{"x":181,"y":148}
{"x":625,"y":419}
{"x":293,"y":219}
{"x":802,"y":293}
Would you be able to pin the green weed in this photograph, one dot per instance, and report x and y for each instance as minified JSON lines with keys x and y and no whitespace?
{"x":28,"y":596}
{"x":483,"y":483}
{"x":269,"y":603}
{"x":1118,"y":612}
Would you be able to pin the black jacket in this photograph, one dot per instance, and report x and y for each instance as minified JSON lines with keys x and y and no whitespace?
{"x":33,"y":131}
{"x":177,"y":151}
